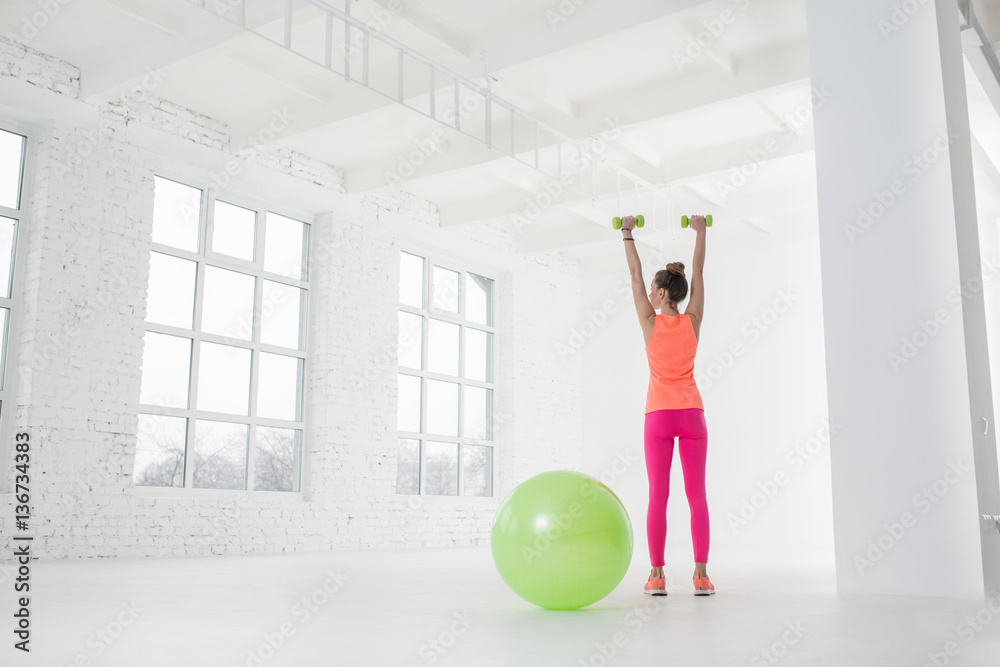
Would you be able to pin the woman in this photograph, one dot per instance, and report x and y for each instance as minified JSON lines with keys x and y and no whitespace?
{"x":673,"y":403}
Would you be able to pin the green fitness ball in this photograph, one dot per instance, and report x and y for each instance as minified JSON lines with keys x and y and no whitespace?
{"x":561,"y":540}
{"x":616,"y":222}
{"x":639,"y":221}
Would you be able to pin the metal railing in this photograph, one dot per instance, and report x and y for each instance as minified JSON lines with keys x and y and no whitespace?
{"x":456,"y":104}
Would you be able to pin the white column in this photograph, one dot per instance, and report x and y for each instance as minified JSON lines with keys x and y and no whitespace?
{"x":907,"y":363}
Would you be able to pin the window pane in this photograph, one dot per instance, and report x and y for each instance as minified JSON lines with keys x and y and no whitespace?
{"x":4,"y":332}
{"x":166,"y":367}
{"x":408,"y":408}
{"x":477,"y":470}
{"x":234,"y":229}
{"x":442,"y":347}
{"x":442,"y":407}
{"x":445,"y":289}
{"x":159,"y":452}
{"x":410,"y":340}
{"x":411,"y":280}
{"x":284,"y":241}
{"x":477,"y":420}
{"x":11,"y":155}
{"x":176,"y":214}
{"x":227,"y":305}
{"x":279,"y":386}
{"x":276,"y":459}
{"x":171,"y":290}
{"x":442,"y":468}
{"x":220,"y":455}
{"x":8,"y":232}
{"x":408,"y":466}
{"x":281,"y":315}
{"x":224,"y":379}
{"x":479,"y":299}
{"x":478,"y":355}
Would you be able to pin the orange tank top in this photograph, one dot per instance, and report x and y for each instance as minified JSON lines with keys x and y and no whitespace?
{"x":670,"y":353}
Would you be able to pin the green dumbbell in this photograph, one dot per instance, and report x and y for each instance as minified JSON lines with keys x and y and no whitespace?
{"x":685,"y":221}
{"x":616,"y":222}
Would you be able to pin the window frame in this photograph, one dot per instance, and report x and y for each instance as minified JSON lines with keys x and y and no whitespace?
{"x":433,"y":258}
{"x":12,"y":352}
{"x":205,"y":257}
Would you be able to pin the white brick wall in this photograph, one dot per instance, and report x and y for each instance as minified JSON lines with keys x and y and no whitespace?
{"x":80,"y":349}
{"x":19,"y":62}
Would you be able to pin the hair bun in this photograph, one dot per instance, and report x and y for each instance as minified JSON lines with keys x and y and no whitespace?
{"x":676,"y":268}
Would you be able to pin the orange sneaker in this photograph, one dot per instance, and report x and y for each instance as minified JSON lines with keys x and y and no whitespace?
{"x":702,"y":586}
{"x":655,"y":586}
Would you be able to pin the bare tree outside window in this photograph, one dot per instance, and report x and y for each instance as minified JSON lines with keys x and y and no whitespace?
{"x":445,"y":383}
{"x":224,"y":356}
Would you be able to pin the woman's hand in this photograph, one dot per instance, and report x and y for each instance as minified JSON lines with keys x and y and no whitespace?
{"x":697,"y":223}
{"x":628,"y":222}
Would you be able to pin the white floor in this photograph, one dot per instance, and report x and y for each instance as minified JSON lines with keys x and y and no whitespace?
{"x":449,"y":607}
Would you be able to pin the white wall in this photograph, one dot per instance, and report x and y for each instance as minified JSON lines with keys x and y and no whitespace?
{"x":762,"y":406}
{"x":83,"y":291}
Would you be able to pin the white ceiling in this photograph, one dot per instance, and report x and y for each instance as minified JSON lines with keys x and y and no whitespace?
{"x":600,"y":66}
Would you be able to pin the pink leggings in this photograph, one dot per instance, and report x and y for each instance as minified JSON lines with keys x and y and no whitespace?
{"x":661,"y":427}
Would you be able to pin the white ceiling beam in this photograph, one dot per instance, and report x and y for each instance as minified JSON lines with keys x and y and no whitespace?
{"x":570,"y":25}
{"x":701,"y":191}
{"x":639,"y":149}
{"x":462,"y":153}
{"x":719,"y":164}
{"x":760,"y":223}
{"x":724,"y":59}
{"x":763,"y":105}
{"x":750,"y":209}
{"x":702,"y":172}
{"x":314,"y":117}
{"x":583,"y":233}
{"x":283,"y":68}
{"x":309,"y":120}
{"x":765,"y":80}
{"x":327,"y":118}
{"x":985,"y":162}
{"x":457,"y":153}
{"x":988,"y":14}
{"x":161,"y":16}
{"x":979,"y":52}
{"x":409,"y":12}
{"x":190,"y":32}
{"x":783,"y":66}
{"x":721,"y":56}
{"x":516,"y":206}
{"x":567,"y":120}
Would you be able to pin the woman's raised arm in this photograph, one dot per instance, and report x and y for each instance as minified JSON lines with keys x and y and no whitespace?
{"x":696,"y":304}
{"x":643,"y":308}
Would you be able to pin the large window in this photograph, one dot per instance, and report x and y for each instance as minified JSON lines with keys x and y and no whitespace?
{"x":13,"y":202}
{"x":446,"y":379}
{"x":224,"y":357}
